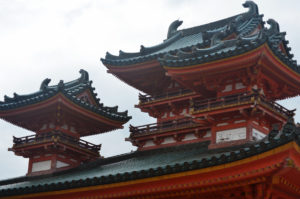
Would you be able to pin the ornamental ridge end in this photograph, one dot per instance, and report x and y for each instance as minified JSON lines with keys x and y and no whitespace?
{"x":44,"y":84}
{"x":84,"y":75}
{"x":253,"y":8}
{"x":173,"y":28}
{"x":274,"y":26}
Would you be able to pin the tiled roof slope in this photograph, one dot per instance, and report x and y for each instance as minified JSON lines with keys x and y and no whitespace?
{"x":70,"y":90}
{"x":229,"y":48}
{"x":144,"y":164}
{"x":217,"y":40}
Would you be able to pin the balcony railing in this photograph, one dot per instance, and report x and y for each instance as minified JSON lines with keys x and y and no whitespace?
{"x":243,"y":98}
{"x":161,"y":127}
{"x":52,"y":136}
{"x":149,"y":98}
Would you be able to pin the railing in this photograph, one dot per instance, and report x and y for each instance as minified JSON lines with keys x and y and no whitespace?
{"x":216,"y":103}
{"x":55,"y":135}
{"x":213,"y":103}
{"x":159,"y":127}
{"x":277,"y":107}
{"x":149,"y":98}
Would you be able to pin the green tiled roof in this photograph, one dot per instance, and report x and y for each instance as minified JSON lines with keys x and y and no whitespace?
{"x":144,"y":164}
{"x":206,"y":43}
{"x":69,"y":90}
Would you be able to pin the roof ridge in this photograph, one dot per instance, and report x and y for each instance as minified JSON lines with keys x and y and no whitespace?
{"x":174,"y":34}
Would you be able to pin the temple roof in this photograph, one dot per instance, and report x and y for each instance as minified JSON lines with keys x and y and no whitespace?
{"x":145,"y":164}
{"x":217,"y":40}
{"x":72,"y":91}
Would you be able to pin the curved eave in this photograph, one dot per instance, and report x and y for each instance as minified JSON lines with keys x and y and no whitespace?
{"x":206,"y":62}
{"x":254,"y":161}
{"x":133,"y":67}
{"x":242,"y":56}
{"x":90,"y":111}
{"x":130,"y":62}
{"x":283,"y":64}
{"x":249,"y":22}
{"x":146,"y":73}
{"x":194,"y":62}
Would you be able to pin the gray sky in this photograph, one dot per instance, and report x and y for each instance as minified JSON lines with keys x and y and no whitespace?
{"x":55,"y":39}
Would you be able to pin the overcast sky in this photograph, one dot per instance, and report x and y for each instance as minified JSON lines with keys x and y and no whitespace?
{"x":55,"y":39}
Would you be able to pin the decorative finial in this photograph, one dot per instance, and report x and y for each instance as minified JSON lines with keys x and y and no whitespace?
{"x":274,"y":26}
{"x":253,"y":9}
{"x":109,"y":56}
{"x":173,"y":28}
{"x":84,"y":75}
{"x":289,"y":126}
{"x":7,"y":99}
{"x":44,"y":84}
{"x":274,"y":132}
{"x":142,"y":49}
{"x":61,"y":85}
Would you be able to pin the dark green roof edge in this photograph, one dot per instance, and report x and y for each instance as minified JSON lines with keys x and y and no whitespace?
{"x":151,"y":53}
{"x":247,"y":22}
{"x":275,"y":139}
{"x":272,"y":37}
{"x":69,"y":90}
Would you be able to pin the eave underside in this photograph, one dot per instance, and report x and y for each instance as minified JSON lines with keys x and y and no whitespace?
{"x":257,"y":67}
{"x":148,"y":78}
{"x":59,"y":111}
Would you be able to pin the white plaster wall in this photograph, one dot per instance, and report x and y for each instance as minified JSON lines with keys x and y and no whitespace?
{"x":257,"y":135}
{"x":51,"y":126}
{"x":165,"y":115}
{"x":208,"y":134}
{"x":184,"y":111}
{"x":227,"y":88}
{"x":65,"y":126}
{"x":149,"y":143}
{"x":60,"y":164}
{"x":168,"y":140}
{"x":239,"y":85}
{"x":41,"y":166}
{"x":231,"y":135}
{"x":44,"y":127}
{"x":189,"y":136}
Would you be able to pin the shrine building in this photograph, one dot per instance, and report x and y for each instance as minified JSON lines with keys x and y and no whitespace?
{"x":60,"y":115}
{"x":219,"y":132}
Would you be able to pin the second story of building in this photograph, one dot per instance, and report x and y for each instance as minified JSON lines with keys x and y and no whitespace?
{"x":217,"y":81}
{"x":228,"y":57}
{"x":60,"y":115}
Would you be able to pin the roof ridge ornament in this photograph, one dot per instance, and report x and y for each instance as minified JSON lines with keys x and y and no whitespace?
{"x":274,"y":132}
{"x":173,"y":28}
{"x":61,"y":85}
{"x":289,"y":127}
{"x":110,"y":56}
{"x":7,"y":99}
{"x":44,"y":85}
{"x":84,"y":76}
{"x":253,"y":8}
{"x":274,"y":26}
